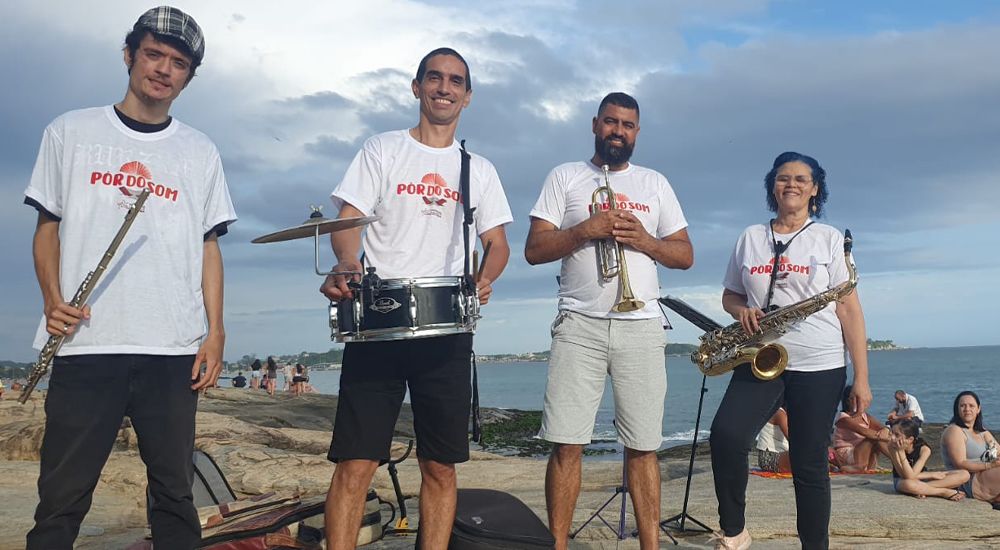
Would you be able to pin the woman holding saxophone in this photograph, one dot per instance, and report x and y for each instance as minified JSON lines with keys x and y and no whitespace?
{"x":775,"y":264}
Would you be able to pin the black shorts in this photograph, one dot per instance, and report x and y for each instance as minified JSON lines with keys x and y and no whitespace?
{"x":373,"y":382}
{"x":297,"y":379}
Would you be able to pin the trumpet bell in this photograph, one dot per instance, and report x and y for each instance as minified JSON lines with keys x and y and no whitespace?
{"x":627,"y":305}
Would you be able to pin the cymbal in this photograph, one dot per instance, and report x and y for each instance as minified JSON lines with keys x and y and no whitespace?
{"x":308,"y":228}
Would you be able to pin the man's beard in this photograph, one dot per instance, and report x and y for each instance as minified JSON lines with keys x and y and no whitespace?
{"x":613,"y":154}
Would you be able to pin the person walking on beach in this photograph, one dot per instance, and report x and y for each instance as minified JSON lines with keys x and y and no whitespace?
{"x":255,"y":368}
{"x":272,"y":375}
{"x":789,"y":259}
{"x":906,"y":408}
{"x":414,"y":237}
{"x":591,"y":340}
{"x":286,"y":375}
{"x":156,"y":320}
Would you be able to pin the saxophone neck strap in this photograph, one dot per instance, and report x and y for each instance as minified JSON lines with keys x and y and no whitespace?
{"x":779,"y":249}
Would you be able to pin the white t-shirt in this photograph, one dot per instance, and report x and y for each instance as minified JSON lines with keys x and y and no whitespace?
{"x":910,"y":405}
{"x":813,"y":262}
{"x":771,"y":439}
{"x":565,"y":201}
{"x":415,"y":190}
{"x":149,"y":300}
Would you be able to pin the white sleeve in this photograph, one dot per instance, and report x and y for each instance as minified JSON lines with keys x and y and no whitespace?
{"x":492,"y":208}
{"x":362,"y":184}
{"x":838,"y":267}
{"x":551,"y":204}
{"x":45,"y":186}
{"x":671,"y":216}
{"x":218,"y":203}
{"x":734,"y":272}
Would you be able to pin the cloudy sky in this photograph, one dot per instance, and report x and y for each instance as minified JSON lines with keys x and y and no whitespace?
{"x":897,"y":99}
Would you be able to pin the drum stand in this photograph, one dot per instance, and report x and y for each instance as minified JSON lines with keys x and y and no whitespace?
{"x":677,"y":522}
{"x":402,"y":523}
{"x":622,"y":491}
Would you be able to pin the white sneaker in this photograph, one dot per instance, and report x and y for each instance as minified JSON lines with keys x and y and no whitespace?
{"x":739,"y":542}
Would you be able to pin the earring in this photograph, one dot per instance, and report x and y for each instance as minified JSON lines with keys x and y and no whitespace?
{"x":812,"y":204}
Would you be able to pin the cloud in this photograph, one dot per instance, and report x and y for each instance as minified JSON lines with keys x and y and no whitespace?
{"x":901,"y":114}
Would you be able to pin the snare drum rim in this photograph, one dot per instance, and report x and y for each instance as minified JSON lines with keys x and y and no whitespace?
{"x":404,"y":333}
{"x":419,"y":282}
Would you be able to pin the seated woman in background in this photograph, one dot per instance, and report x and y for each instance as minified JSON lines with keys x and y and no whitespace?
{"x":966,"y":444}
{"x":909,"y":455}
{"x":772,"y":444}
{"x":858,"y":439}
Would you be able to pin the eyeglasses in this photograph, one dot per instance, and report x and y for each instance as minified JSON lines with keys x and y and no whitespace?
{"x":799,"y":180}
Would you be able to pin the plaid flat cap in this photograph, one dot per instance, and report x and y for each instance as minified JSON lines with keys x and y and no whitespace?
{"x":173,"y":22}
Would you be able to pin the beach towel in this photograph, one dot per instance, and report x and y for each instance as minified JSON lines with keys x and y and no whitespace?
{"x":775,"y":475}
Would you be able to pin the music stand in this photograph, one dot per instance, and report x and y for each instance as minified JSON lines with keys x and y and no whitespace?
{"x":680,"y":519}
{"x":707,"y":324}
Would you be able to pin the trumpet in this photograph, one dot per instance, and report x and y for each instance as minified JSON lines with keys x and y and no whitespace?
{"x":611,"y":254}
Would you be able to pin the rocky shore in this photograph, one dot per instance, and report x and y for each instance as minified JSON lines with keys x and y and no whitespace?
{"x":264,"y":444}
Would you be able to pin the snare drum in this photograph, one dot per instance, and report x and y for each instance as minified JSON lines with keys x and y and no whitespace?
{"x":398,"y":309}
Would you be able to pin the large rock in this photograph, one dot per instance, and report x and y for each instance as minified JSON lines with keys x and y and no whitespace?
{"x":279,"y":444}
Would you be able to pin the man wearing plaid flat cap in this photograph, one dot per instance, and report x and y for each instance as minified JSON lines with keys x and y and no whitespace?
{"x":155,"y":336}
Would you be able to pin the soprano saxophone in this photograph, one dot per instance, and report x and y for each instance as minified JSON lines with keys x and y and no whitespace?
{"x":55,"y":341}
{"x":725,"y":349}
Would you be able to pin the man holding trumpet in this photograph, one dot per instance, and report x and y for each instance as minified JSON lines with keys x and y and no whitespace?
{"x":610,"y":222}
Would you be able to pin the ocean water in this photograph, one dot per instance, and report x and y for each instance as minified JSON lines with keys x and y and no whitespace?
{"x":933,"y":375}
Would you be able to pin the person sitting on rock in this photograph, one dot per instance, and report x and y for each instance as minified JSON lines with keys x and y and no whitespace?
{"x":967,"y":444}
{"x":906,"y":407}
{"x":909,"y":454}
{"x":240,"y":381}
{"x":858,"y":438}
{"x":772,"y":444}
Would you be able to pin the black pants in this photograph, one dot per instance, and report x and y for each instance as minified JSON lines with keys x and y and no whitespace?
{"x":88,"y":397}
{"x":811,"y":400}
{"x":373,"y":383}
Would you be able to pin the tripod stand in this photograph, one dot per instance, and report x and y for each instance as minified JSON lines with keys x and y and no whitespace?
{"x":679,"y":520}
{"x":622,"y":491}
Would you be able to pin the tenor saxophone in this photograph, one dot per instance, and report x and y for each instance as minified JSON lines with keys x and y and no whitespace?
{"x":724,"y":349}
{"x":55,"y":341}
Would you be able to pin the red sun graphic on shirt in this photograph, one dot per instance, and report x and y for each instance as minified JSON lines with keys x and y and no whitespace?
{"x":435,"y":179}
{"x":131,"y":178}
{"x":136,"y":168}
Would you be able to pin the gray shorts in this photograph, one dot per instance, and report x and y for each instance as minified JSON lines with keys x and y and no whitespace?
{"x":585,"y":350}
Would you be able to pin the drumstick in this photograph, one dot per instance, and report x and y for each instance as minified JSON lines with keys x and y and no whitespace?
{"x":486,"y":254}
{"x":475,"y":265}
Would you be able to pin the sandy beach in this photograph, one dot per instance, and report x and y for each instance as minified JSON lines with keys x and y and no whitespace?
{"x":279,"y":444}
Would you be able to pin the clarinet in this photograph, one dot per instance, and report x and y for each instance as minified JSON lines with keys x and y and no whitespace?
{"x":41,"y":367}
